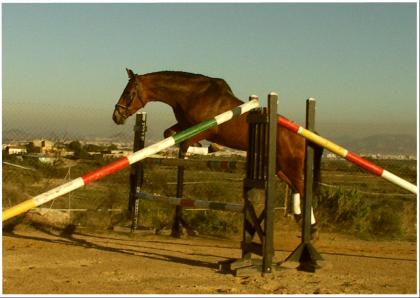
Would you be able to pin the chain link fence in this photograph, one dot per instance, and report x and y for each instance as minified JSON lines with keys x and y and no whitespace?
{"x":27,"y":176}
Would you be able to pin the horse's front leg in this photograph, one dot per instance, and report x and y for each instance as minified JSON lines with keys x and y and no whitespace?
{"x":172,"y":130}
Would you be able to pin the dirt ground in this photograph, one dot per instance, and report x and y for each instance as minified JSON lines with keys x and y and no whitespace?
{"x":37,"y":261}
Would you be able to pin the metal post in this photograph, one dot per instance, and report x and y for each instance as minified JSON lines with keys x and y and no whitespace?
{"x":137,"y":172}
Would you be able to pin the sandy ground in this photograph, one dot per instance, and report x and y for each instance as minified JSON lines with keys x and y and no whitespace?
{"x":43,"y":262}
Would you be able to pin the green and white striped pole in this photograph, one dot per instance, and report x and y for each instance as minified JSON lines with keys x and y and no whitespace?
{"x":128,"y":160}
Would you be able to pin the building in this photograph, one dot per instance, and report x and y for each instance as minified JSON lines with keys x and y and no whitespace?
{"x":15,"y":149}
{"x":42,"y":146}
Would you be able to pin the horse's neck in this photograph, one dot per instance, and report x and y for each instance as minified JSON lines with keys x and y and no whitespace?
{"x":156,"y":87}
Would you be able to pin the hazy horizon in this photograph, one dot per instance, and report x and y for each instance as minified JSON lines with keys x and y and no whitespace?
{"x":64,"y":64}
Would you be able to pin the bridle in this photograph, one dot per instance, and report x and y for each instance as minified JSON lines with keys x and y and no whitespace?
{"x":127,"y":106}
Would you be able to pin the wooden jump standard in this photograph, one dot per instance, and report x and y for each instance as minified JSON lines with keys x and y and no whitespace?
{"x":126,"y":161}
{"x":260,"y":175}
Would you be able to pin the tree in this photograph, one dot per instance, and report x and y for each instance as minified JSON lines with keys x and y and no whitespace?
{"x":78,"y":150}
{"x":112,"y":147}
{"x":74,"y":146}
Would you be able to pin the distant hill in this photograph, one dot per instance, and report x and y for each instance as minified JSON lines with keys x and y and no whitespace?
{"x":381,"y":143}
{"x":17,"y":135}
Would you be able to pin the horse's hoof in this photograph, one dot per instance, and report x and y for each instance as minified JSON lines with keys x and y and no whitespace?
{"x":298,"y":217}
{"x":314,"y":232}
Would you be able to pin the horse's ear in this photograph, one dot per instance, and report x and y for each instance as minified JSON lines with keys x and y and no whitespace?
{"x":130,"y":73}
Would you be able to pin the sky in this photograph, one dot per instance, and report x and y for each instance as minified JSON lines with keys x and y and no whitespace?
{"x":63,"y":65}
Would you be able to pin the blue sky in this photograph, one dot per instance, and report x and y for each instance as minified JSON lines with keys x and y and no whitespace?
{"x":64,"y":64}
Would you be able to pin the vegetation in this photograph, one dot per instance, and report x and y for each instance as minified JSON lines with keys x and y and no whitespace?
{"x":350,"y":200}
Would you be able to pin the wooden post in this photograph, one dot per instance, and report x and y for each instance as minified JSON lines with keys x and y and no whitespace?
{"x":176,"y":226}
{"x":248,"y":231}
{"x":178,"y":218}
{"x":309,"y":170}
{"x":305,"y":255}
{"x":137,"y":172}
{"x":270,"y":186}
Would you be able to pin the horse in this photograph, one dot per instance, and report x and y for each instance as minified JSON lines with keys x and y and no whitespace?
{"x":195,"y":98}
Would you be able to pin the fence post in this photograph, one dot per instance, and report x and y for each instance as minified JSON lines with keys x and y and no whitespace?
{"x":137,"y":172}
{"x":178,"y":218}
{"x":268,"y":245}
{"x":176,"y":226}
{"x":305,"y":254}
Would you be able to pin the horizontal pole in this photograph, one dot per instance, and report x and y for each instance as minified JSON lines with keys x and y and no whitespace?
{"x":128,"y":160}
{"x":77,"y":210}
{"x":348,"y":155}
{"x":190,"y":203}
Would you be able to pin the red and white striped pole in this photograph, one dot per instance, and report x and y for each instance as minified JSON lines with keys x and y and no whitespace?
{"x":348,"y":155}
{"x":128,"y":160}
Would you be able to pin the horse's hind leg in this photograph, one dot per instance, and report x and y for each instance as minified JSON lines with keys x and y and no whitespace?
{"x":297,"y":212}
{"x":172,"y":130}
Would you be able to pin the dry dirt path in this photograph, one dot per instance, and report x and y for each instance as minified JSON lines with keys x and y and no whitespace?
{"x":38,"y":262}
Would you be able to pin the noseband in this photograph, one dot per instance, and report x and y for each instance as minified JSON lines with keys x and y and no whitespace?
{"x":125,"y":115}
{"x":126,"y":107}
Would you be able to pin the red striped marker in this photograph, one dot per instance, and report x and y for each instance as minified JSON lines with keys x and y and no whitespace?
{"x":348,"y":155}
{"x":128,"y":160}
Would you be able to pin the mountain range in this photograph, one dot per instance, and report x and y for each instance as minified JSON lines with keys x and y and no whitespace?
{"x":381,"y":143}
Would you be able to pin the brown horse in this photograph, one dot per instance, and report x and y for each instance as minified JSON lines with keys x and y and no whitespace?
{"x":195,"y":98}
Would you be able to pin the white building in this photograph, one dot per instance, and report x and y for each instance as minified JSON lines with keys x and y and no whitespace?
{"x":13,"y":149}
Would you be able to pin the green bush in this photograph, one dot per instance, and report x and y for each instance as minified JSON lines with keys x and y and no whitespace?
{"x":349,"y":211}
{"x":344,"y":209}
{"x":214,"y":222}
{"x":384,"y":221}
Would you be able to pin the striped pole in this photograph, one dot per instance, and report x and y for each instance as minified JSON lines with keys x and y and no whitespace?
{"x":190,"y":203}
{"x":348,"y":155}
{"x":128,"y":160}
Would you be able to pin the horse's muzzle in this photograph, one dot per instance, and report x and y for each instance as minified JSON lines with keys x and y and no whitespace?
{"x":118,"y":118}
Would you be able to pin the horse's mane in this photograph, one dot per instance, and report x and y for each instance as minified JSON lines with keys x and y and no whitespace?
{"x":188,"y":75}
{"x":181,"y":74}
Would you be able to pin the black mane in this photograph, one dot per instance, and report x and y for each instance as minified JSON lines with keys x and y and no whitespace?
{"x":182,"y":74}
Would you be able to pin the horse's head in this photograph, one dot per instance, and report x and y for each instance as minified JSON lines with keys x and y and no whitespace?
{"x":130,"y":100}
